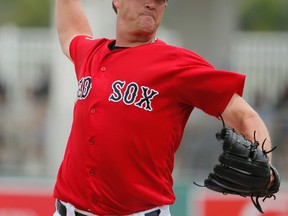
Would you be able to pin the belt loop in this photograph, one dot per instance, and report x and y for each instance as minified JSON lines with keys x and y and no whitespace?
{"x":70,"y":209}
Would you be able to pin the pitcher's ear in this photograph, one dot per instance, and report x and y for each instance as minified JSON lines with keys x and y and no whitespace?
{"x":115,"y":5}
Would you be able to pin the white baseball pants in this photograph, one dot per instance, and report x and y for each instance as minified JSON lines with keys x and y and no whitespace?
{"x":165,"y":211}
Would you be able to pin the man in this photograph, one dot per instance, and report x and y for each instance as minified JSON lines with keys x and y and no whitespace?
{"x":135,"y":95}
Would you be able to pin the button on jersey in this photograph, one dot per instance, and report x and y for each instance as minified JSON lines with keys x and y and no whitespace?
{"x":131,"y":110}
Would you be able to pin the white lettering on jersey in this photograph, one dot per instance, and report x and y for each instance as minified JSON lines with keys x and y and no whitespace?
{"x":128,"y":94}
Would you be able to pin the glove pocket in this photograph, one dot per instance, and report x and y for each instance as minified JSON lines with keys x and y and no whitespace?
{"x":242,"y":178}
{"x":216,"y":183}
{"x":244,"y":165}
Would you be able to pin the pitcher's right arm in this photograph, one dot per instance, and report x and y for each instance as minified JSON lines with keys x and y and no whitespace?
{"x":70,"y":21}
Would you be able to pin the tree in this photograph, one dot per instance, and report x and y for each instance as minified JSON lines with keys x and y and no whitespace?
{"x":26,"y":13}
{"x":264,"y":15}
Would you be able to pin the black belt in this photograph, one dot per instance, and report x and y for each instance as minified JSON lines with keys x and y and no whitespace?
{"x":63,"y":212}
{"x":61,"y":209}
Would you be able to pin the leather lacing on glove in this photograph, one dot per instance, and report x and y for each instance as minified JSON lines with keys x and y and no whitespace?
{"x":253,"y":148}
{"x":257,"y":197}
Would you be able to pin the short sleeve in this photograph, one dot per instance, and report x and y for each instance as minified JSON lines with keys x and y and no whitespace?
{"x":79,"y":47}
{"x":200,"y":85}
{"x":82,"y":49}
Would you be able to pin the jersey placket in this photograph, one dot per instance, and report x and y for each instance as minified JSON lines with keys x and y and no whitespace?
{"x":94,"y":126}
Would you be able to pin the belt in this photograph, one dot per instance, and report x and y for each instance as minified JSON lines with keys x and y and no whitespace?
{"x":62,"y":211}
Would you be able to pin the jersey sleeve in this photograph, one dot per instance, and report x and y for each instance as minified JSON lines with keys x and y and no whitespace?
{"x":81,"y":49}
{"x":78,"y":47}
{"x":200,"y":85}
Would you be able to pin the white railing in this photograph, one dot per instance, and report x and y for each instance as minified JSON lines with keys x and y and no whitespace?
{"x":25,"y":68}
{"x":264,"y":58}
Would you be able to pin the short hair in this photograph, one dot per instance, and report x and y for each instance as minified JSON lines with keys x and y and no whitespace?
{"x":114,"y":8}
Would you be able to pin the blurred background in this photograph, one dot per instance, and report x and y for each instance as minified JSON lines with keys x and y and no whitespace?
{"x":38,"y":90}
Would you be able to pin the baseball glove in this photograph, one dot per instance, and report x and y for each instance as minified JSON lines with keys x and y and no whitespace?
{"x":244,"y":169}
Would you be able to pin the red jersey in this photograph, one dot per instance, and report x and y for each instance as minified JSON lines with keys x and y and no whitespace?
{"x":131,"y":109}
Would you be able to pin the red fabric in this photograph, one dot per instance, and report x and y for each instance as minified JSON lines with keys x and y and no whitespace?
{"x":129,"y":118}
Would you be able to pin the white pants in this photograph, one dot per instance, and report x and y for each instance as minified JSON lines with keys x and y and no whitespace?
{"x":165,"y":211}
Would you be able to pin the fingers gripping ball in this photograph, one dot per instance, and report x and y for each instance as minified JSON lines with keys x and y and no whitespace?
{"x":244,"y":169}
